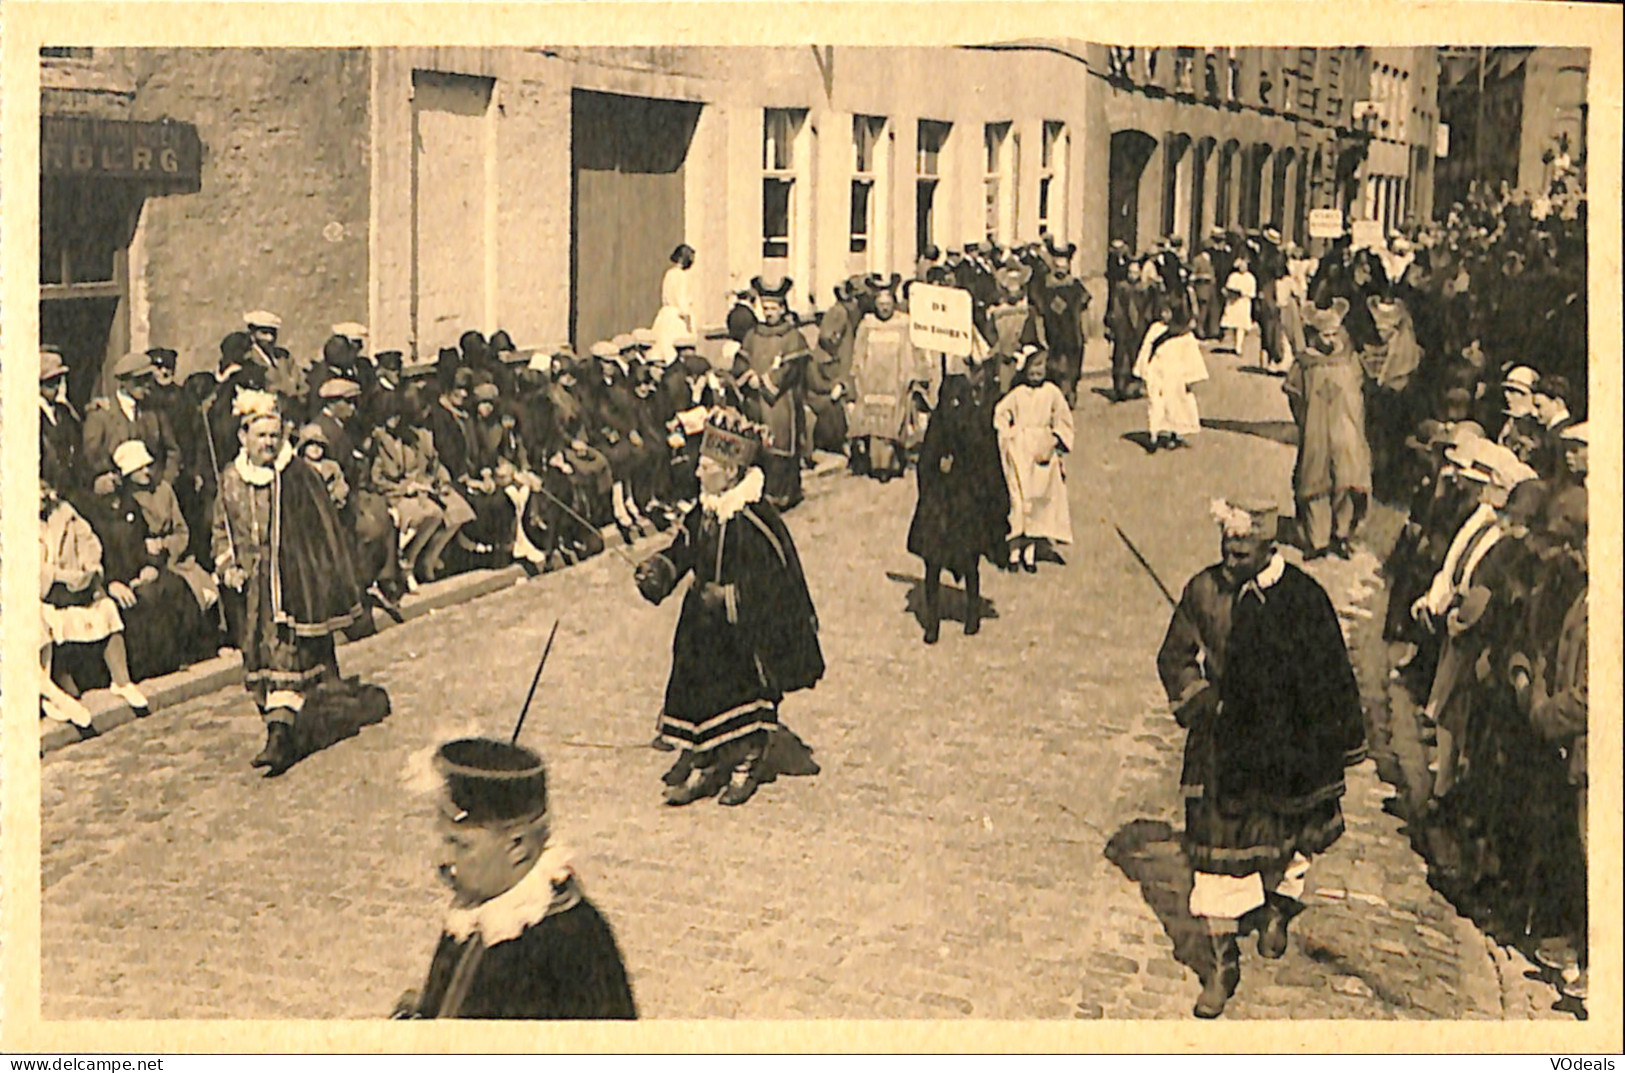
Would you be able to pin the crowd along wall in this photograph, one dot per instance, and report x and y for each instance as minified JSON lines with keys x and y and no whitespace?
{"x":280,"y":220}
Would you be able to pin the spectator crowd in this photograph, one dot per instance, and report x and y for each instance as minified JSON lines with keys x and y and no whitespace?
{"x":1443,"y":371}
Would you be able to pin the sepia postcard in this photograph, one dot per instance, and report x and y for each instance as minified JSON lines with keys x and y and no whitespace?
{"x":1031,"y":527}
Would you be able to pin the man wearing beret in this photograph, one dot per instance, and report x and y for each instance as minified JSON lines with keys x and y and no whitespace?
{"x":1255,"y":669}
{"x":520,"y":941}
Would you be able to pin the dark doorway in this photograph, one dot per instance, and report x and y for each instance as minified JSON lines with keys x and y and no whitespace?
{"x":1130,"y":152}
{"x":82,"y":328}
{"x":626,"y":207}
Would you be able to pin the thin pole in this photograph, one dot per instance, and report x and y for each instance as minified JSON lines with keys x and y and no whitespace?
{"x":533,"y":683}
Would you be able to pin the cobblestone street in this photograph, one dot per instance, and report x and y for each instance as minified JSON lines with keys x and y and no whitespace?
{"x":993,"y":833}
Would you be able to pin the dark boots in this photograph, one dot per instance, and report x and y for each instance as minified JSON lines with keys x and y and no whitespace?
{"x":1272,"y":934}
{"x":1222,"y":980}
{"x":279,"y":753}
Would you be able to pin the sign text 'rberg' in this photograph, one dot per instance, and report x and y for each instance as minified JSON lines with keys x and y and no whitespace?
{"x":79,"y":147}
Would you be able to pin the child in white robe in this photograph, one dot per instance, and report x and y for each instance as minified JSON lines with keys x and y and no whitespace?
{"x":1034,"y":424}
{"x":1170,"y":362}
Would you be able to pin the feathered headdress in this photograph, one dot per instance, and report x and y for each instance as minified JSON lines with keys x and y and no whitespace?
{"x":251,"y":402}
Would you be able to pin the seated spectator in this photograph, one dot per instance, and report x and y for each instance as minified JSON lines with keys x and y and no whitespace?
{"x":167,"y":530}
{"x":427,"y":508}
{"x":164,"y":624}
{"x":79,"y":609}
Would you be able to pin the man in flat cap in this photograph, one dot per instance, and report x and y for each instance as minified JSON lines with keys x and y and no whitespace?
{"x":520,"y":940}
{"x":61,"y":432}
{"x":366,"y":513}
{"x":283,"y":376}
{"x":1255,"y":669}
{"x":128,"y":415}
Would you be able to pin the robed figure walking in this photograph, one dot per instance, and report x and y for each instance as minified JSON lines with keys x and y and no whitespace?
{"x":748,"y":632}
{"x":962,"y":512}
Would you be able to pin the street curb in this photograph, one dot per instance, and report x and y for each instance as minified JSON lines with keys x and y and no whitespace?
{"x":218,"y":672}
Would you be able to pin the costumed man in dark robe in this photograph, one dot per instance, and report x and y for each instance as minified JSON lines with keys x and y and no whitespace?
{"x":520,"y":942}
{"x":1205,"y":292}
{"x":1124,"y":330}
{"x":963,"y":509}
{"x":771,"y":367}
{"x":280,"y":551}
{"x":1062,"y":301}
{"x":748,"y":633}
{"x":1256,"y":670}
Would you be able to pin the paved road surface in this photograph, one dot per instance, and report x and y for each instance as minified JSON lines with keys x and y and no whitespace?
{"x":989,"y":836}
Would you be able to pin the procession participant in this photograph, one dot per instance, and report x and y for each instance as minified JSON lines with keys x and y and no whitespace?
{"x":962,"y":510}
{"x":1034,"y":426}
{"x":1269,"y":267}
{"x":520,"y":940}
{"x":1240,"y":288}
{"x":1332,"y":477}
{"x":890,"y":380}
{"x":169,"y":540}
{"x":1170,"y":361}
{"x":1255,"y":669}
{"x":830,"y":372}
{"x":1062,"y":303}
{"x":1012,"y":323}
{"x":1124,"y":332}
{"x":748,"y":632}
{"x":61,"y":434}
{"x":771,"y":367}
{"x":128,"y":415}
{"x":1205,"y":291}
{"x":278,"y":545}
{"x":283,"y":376}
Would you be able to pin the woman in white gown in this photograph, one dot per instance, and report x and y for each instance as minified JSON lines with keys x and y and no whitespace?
{"x":1240,"y":289}
{"x":676,"y":316}
{"x":1034,"y":425}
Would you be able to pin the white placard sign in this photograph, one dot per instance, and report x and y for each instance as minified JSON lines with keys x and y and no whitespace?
{"x":939,"y":319}
{"x":1367,"y":235}
{"x":1325,"y":223}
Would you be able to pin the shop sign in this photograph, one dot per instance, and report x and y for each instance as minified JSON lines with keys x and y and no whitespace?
{"x":80,"y":147}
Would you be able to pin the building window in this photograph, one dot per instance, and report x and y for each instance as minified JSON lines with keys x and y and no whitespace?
{"x":1185,"y":70}
{"x":999,"y":181}
{"x":1210,"y":75}
{"x":928,"y":173}
{"x":1052,"y":161}
{"x":781,"y":128}
{"x":1233,"y":79}
{"x":1120,"y":62}
{"x":868,"y":134}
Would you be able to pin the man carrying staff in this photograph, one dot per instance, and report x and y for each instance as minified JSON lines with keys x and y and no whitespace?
{"x":520,"y":941}
{"x":1255,"y":669}
{"x":279,"y":549}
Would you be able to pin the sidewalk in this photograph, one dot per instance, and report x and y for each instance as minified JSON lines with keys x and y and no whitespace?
{"x":167,"y":691}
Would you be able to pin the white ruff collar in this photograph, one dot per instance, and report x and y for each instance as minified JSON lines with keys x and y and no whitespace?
{"x":534,"y":897}
{"x":260,"y":476}
{"x":737,"y":498}
{"x":1273,"y":571}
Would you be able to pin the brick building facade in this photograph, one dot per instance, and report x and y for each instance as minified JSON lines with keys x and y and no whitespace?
{"x":427,"y":191}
